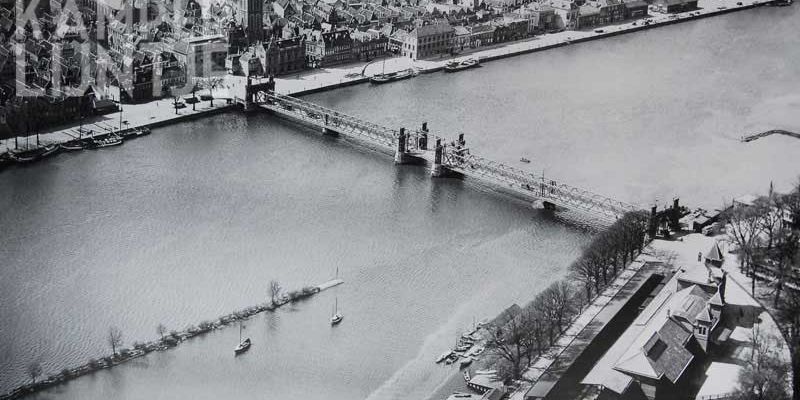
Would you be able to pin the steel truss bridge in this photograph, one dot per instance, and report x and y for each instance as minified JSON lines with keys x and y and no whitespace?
{"x":446,"y":159}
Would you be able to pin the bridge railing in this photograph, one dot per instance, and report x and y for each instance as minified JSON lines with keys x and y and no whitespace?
{"x":537,"y":185}
{"x":455,"y":157}
{"x":336,"y":119}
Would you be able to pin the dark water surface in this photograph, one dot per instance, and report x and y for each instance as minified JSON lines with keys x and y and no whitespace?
{"x":194,"y":220}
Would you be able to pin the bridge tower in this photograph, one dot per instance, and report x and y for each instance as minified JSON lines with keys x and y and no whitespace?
{"x":438,"y":169}
{"x":249,"y":104}
{"x":422,"y":142}
{"x":401,"y":155}
{"x":326,"y":130}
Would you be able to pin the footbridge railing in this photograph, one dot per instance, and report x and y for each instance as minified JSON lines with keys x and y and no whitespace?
{"x":444,"y":156}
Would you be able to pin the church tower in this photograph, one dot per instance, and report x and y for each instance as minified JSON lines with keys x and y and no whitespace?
{"x":250,"y":15}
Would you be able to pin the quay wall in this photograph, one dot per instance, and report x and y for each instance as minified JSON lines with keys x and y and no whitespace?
{"x":637,"y":28}
{"x":439,"y":65}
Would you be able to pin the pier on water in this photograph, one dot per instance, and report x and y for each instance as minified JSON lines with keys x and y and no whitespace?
{"x":446,"y":159}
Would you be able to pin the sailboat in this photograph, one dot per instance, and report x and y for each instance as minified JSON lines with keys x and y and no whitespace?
{"x":77,"y":143}
{"x":384,"y":77}
{"x":243,"y":345}
{"x":337,"y":316}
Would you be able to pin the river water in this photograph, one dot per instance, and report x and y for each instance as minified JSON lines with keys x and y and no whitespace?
{"x":194,"y":220}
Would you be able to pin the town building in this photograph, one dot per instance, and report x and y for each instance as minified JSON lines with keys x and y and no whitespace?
{"x":329,"y":48}
{"x":284,"y":56}
{"x":428,"y":41}
{"x":205,"y":55}
{"x":636,"y":9}
{"x":664,"y":351}
{"x":675,"y":6}
{"x":566,"y":12}
{"x":369,"y":45}
{"x":541,"y":18}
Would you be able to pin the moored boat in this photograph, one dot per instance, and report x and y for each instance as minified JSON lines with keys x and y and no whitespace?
{"x":127,"y":133}
{"x":393,"y":76}
{"x":337,"y":316}
{"x":525,"y":160}
{"x":111,"y":140}
{"x":455,"y":66}
{"x":5,"y":159}
{"x":143,"y":131}
{"x":26,"y":156}
{"x":444,"y":356}
{"x":243,"y":345}
{"x":75,"y":145}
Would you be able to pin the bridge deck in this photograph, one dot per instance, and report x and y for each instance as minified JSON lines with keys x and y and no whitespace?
{"x":603,"y":209}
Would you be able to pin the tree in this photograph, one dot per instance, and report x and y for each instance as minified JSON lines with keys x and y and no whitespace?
{"x":275,"y":291}
{"x":34,"y":370}
{"x":560,"y":297}
{"x":789,"y":317}
{"x":765,"y":375}
{"x":162,"y":330}
{"x":114,"y":339}
{"x":743,"y":232}
{"x":211,"y":83}
{"x":509,"y":342}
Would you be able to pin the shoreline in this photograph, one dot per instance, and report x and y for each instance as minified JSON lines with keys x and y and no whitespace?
{"x":166,"y":342}
{"x":331,"y":79}
{"x":298,"y":86}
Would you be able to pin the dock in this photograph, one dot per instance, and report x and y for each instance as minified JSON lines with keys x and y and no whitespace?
{"x":750,"y":138}
{"x":329,"y":284}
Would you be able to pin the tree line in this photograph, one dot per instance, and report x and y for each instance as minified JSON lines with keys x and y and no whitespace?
{"x":528,"y":333}
{"x":766,"y":236}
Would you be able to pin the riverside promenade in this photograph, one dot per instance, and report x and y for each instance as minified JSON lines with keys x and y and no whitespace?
{"x":150,"y":114}
{"x":351,"y":74}
{"x":162,"y":112}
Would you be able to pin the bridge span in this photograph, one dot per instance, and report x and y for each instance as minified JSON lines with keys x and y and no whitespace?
{"x":445,"y":159}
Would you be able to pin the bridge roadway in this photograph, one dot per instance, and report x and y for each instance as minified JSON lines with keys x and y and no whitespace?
{"x":453,"y":159}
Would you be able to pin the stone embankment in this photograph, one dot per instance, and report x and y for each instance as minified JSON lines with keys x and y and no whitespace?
{"x":168,"y":341}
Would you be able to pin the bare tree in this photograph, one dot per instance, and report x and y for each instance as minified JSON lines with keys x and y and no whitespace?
{"x":560,"y":296}
{"x":765,"y":375}
{"x":211,"y":83}
{"x":275,"y":290}
{"x":34,"y":370}
{"x":162,"y":330}
{"x":743,"y":232}
{"x":114,"y":339}
{"x":509,"y":343}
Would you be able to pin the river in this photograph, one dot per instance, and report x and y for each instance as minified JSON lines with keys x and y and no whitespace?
{"x":194,"y":220}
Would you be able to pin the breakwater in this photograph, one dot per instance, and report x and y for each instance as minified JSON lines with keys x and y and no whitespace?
{"x":167,"y":341}
{"x":750,"y":138}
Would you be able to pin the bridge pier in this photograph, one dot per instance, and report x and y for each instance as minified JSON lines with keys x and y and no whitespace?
{"x":439,"y":170}
{"x":328,"y":131}
{"x":422,"y":142}
{"x":401,"y":155}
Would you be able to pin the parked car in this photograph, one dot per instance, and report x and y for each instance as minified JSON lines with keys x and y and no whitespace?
{"x":598,"y":31}
{"x":180,"y":104}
